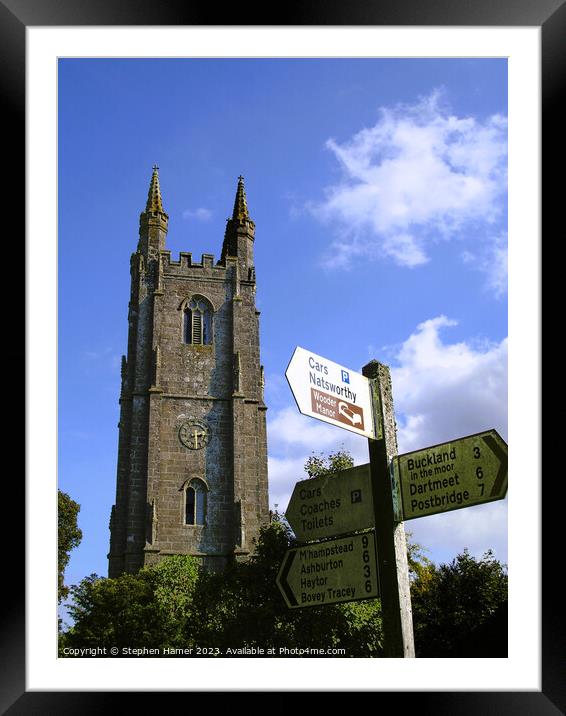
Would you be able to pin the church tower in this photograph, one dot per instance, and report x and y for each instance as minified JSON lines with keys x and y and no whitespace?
{"x":192,"y":450}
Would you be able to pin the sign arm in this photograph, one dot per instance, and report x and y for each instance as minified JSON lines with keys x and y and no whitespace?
{"x":468,"y":471}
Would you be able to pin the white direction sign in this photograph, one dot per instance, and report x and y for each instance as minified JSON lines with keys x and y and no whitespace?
{"x":330,"y":392}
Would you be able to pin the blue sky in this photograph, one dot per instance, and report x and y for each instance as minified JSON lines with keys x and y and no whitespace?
{"x":379,"y":192}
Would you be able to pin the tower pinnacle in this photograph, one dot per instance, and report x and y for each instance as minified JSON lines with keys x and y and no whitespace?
{"x":240,"y":231}
{"x":153,"y":220}
{"x":154,"y":203}
{"x":241,"y":212}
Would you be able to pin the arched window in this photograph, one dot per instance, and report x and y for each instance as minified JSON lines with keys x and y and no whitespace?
{"x":195,"y":503}
{"x":197,"y":322}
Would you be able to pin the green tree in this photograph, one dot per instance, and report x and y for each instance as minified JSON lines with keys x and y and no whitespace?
{"x":69,"y":536}
{"x":174,"y":603}
{"x":453,"y":601}
{"x":152,"y":608}
{"x":421,"y":569}
{"x":319,"y":465}
{"x":243,"y":607}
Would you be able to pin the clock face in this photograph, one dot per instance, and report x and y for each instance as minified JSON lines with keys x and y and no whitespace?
{"x":194,"y":434}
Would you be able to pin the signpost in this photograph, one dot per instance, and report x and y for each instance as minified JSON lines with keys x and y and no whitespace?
{"x":391,"y":541}
{"x":332,"y":505}
{"x":330,"y":392}
{"x":461,"y":473}
{"x":336,"y":570}
{"x":378,"y":496}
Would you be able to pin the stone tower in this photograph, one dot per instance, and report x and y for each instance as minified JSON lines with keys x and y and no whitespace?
{"x":192,"y":451}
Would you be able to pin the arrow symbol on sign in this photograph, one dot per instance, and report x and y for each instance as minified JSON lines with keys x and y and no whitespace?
{"x":501,"y":454}
{"x":289,"y":557}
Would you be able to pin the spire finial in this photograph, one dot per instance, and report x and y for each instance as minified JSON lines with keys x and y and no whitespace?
{"x":241,"y":212}
{"x":154,"y":203}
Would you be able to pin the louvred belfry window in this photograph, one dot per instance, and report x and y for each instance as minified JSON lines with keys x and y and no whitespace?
{"x":197,"y":324}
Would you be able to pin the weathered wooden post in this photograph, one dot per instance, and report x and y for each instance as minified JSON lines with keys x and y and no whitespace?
{"x":390,"y":534}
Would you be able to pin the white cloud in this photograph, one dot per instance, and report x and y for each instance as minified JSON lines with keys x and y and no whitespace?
{"x":291,"y":430}
{"x":447,"y":390}
{"x":283,"y":474}
{"x":404,"y":249}
{"x":494,"y":265}
{"x":200,"y":214}
{"x":276,"y":389}
{"x":292,"y":438}
{"x":419,"y":174}
{"x":493,"y":262}
{"x":443,"y":391}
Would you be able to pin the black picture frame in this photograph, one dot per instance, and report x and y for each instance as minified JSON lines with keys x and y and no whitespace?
{"x":15,"y":16}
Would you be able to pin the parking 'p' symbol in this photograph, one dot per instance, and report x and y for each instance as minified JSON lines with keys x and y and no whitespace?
{"x":356,"y":496}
